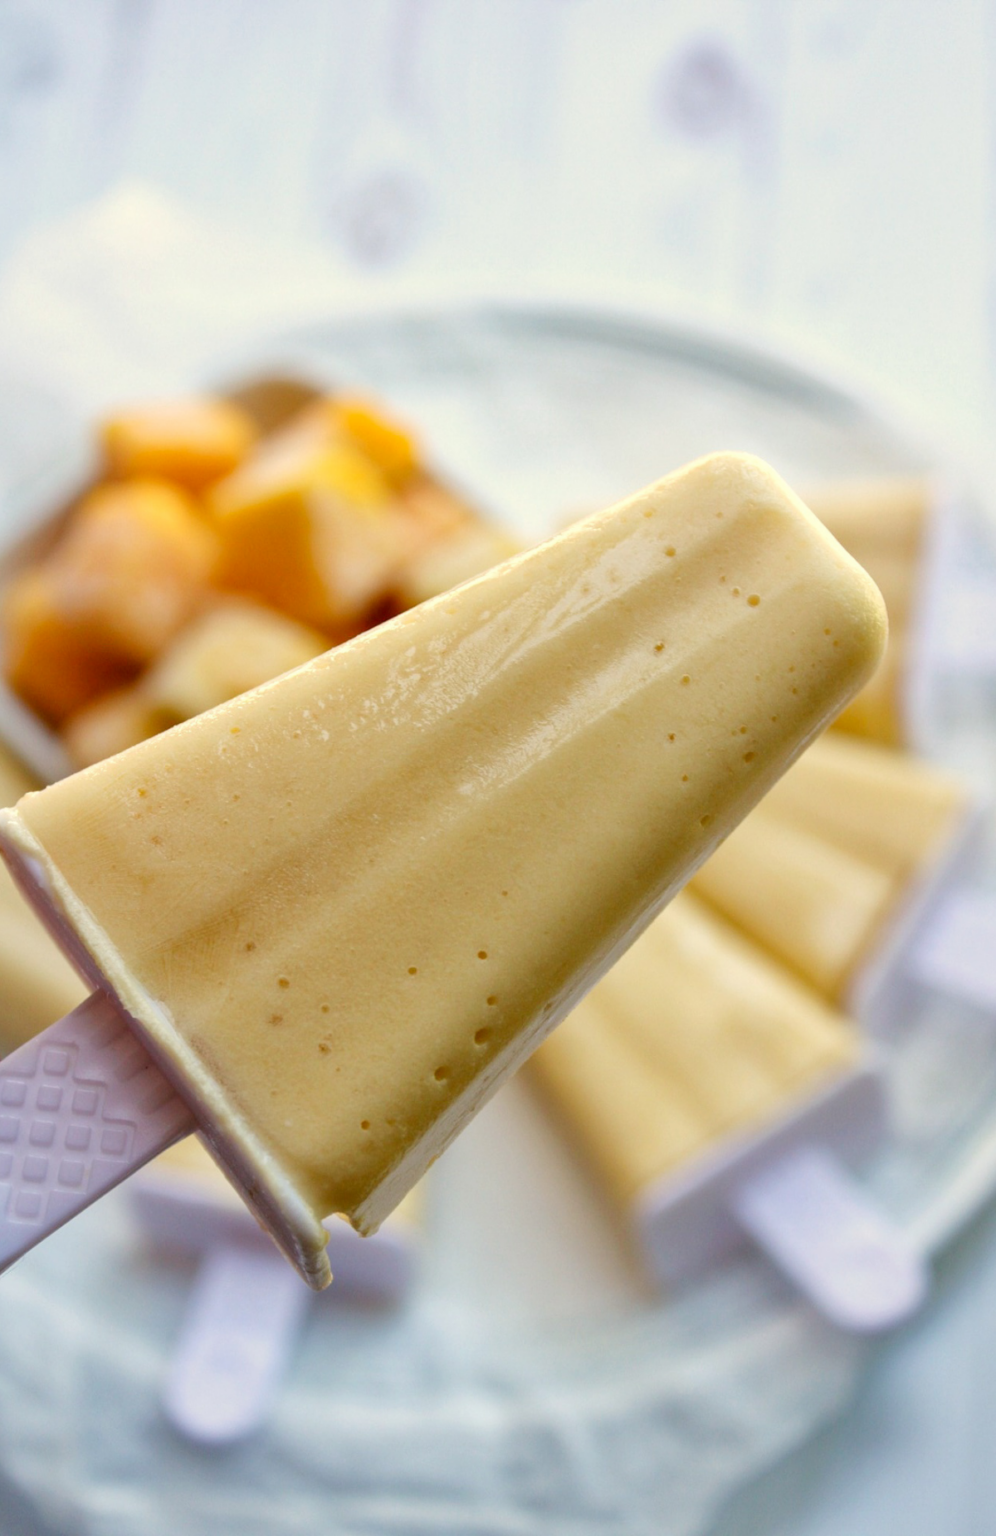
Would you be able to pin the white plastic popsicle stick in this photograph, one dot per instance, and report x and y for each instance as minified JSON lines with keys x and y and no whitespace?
{"x":233,"y":1352}
{"x":957,"y":954}
{"x":821,"y":1230}
{"x":690,"y":1221}
{"x":81,"y":1106}
{"x":243,"y":1315}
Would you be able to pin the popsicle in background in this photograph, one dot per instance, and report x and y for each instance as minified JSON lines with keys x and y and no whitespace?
{"x":335,"y":913}
{"x":847,"y":869}
{"x":37,"y":983}
{"x":717,"y":1099}
{"x":885,"y":526}
{"x":246,"y":1305}
{"x":929,"y":552}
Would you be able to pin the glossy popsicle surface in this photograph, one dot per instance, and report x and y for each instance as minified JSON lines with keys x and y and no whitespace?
{"x":343,"y":908}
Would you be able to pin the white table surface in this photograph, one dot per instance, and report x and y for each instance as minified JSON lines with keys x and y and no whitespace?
{"x":820,"y":170}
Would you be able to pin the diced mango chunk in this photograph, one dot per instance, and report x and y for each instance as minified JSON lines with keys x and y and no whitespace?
{"x":111,"y":724}
{"x":393,"y":450}
{"x":223,"y":653}
{"x":133,"y":567}
{"x":310,"y":529}
{"x":191,"y":442}
{"x":447,"y":561}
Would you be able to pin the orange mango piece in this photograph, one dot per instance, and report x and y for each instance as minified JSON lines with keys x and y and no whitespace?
{"x":47,"y":661}
{"x":190,"y":442}
{"x":386,"y":444}
{"x":309,"y":527}
{"x":133,"y":567}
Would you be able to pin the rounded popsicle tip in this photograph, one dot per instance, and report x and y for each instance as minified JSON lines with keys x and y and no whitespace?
{"x":857,"y":625}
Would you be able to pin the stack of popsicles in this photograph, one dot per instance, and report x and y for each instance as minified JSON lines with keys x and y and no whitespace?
{"x":841,"y":871}
{"x":827,"y":896}
{"x":716,"y":1097}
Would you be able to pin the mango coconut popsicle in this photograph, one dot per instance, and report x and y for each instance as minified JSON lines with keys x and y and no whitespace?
{"x":853,"y":847}
{"x":694,"y":1037}
{"x":340,"y":910}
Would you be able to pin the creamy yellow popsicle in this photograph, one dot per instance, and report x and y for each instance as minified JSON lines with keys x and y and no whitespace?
{"x":343,"y":908}
{"x":883,"y":524}
{"x":888,"y":808}
{"x":693,"y":1036}
{"x":816,"y":872}
{"x":37,"y":983}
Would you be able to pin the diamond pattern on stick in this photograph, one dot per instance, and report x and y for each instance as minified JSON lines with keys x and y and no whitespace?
{"x":72,"y":1126}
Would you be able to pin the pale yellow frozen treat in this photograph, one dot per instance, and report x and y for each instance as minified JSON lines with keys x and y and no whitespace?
{"x":885,"y":807}
{"x":813,"y":905}
{"x":816,"y":872}
{"x":877,"y":517}
{"x":693,"y":1036}
{"x":883,"y":524}
{"x":37,"y":983}
{"x":343,"y":908}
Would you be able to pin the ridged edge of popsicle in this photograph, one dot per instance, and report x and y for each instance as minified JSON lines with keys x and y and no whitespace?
{"x":256,"y":1174}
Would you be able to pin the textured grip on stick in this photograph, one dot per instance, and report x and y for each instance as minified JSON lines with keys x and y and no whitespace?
{"x":81,"y":1106}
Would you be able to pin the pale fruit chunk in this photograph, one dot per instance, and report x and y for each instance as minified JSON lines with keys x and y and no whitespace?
{"x":225,"y":652}
{"x":111,"y":724}
{"x":191,"y":442}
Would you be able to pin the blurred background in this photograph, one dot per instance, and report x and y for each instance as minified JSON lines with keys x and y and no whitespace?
{"x":180,"y":179}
